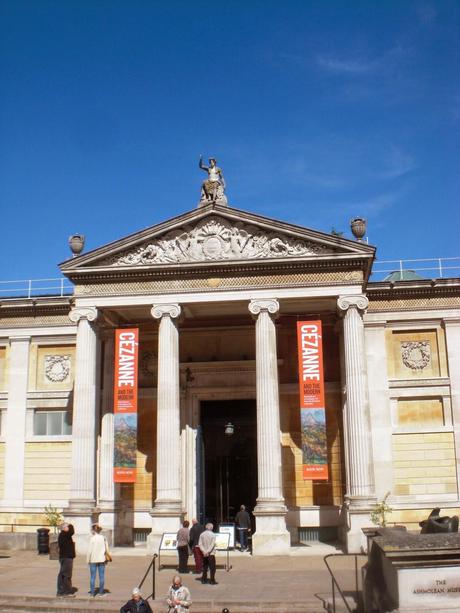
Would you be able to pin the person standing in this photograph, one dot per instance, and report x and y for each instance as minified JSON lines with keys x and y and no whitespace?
{"x":96,"y":558}
{"x":243,"y":525}
{"x":182,"y":538}
{"x":178,"y":598}
{"x":194,"y":537}
{"x":207,"y":544}
{"x":66,"y":557}
{"x":182,"y":546}
{"x":137,"y":604}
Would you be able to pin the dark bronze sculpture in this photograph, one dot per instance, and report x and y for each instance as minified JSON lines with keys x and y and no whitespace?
{"x":435,"y":524}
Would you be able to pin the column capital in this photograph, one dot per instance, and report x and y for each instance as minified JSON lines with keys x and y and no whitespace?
{"x":19,"y":339}
{"x":345,"y":302}
{"x":160,"y":310}
{"x":89,"y":313}
{"x":451,"y":321}
{"x":270,"y":305}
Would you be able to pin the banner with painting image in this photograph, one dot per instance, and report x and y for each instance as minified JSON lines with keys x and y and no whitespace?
{"x":312,"y":406}
{"x":125,"y":404}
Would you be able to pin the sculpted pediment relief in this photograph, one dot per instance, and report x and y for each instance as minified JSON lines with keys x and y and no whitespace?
{"x":215,"y":239}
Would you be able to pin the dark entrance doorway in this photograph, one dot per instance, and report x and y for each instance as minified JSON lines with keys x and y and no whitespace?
{"x":228,"y":463}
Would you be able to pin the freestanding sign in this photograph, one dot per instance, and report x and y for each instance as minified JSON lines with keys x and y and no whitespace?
{"x":312,"y":411}
{"x":125,"y":405}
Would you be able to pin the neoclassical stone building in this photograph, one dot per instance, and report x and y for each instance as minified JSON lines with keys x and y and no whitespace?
{"x":216,"y":294}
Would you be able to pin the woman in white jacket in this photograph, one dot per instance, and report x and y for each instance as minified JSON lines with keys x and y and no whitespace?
{"x":96,"y":558}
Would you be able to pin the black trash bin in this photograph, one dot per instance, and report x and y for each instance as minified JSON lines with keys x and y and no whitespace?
{"x":43,"y":540}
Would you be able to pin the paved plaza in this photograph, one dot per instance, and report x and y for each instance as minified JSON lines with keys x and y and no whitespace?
{"x":299,"y":582}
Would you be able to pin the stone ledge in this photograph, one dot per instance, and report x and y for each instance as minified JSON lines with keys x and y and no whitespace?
{"x":30,"y":604}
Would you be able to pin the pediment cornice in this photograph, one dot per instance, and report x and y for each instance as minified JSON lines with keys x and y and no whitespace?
{"x":213,"y":236}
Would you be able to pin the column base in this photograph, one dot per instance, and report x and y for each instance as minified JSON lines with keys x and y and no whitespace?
{"x":82,"y":516}
{"x":166,"y":517}
{"x":358,"y":515}
{"x":271,"y":536}
{"x":117,"y":521}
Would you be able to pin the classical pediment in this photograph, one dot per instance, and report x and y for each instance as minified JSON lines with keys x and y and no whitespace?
{"x":214,"y":235}
{"x":215,"y":239}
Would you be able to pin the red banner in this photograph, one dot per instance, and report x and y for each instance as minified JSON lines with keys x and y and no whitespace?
{"x":312,"y":407}
{"x":125,"y":405}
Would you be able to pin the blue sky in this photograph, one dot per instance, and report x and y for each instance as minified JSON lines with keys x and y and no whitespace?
{"x":318,"y":111}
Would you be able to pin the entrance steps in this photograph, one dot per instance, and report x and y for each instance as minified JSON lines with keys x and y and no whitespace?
{"x":29,"y":604}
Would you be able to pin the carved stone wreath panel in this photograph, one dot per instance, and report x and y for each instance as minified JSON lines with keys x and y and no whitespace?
{"x":416,"y":355}
{"x":216,"y":239}
{"x":57,"y":368}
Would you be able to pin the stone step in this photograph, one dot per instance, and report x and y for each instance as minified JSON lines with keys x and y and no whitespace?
{"x":28,"y":604}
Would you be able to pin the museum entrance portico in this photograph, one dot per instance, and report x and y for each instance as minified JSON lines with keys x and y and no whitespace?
{"x":211,"y":357}
{"x":219,"y":327}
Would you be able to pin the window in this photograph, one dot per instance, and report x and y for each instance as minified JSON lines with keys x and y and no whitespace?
{"x":51,"y":423}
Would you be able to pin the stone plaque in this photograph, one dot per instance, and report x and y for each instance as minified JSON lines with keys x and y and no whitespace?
{"x":430,"y":588}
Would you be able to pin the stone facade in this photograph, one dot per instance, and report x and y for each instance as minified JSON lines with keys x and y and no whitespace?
{"x":216,"y":294}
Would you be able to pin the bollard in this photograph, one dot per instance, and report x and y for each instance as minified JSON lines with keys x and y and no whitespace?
{"x":43,"y":540}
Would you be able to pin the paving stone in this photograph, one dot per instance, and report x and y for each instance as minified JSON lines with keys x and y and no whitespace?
{"x":281,"y":584}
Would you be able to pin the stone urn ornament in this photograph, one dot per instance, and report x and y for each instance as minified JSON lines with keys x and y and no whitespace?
{"x":76,"y":244}
{"x":358,"y":227}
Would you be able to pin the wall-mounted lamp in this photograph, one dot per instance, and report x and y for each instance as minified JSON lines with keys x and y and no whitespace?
{"x":229,"y":429}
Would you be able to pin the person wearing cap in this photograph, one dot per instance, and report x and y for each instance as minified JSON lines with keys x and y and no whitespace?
{"x":178,"y":598}
{"x":137,"y":604}
{"x":66,"y":557}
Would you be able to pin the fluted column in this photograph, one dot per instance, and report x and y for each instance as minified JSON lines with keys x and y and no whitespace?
{"x":360,"y":480}
{"x":167,"y":508}
{"x":82,"y":484}
{"x":360,"y":491}
{"x":106,"y":483}
{"x":271,"y":535}
{"x":15,"y":428}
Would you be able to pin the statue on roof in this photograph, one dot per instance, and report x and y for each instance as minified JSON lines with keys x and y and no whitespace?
{"x":212,"y":188}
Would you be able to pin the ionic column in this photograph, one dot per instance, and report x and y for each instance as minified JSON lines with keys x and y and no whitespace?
{"x":360,"y":482}
{"x":84,"y":432}
{"x":167,"y":510}
{"x":360,"y":493}
{"x":106,"y":484}
{"x":271,"y":535}
{"x":15,"y":429}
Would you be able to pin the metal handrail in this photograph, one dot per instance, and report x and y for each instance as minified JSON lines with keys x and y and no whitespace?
{"x":335,"y":582}
{"x":439,"y":265}
{"x":61,"y":286}
{"x":150,"y":566}
{"x":29,"y":288}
